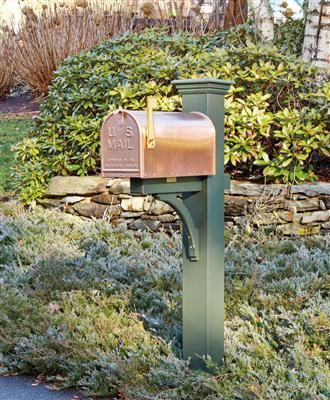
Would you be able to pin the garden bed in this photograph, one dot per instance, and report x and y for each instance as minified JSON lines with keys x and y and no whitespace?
{"x":17,"y":105}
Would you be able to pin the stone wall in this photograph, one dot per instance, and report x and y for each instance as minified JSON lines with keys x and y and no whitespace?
{"x":297,"y":209}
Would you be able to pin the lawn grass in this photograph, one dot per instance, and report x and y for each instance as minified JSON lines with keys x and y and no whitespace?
{"x":99,"y":308}
{"x":11,"y":131}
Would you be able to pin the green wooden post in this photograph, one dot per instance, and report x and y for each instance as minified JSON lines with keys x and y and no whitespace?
{"x":203,"y":280}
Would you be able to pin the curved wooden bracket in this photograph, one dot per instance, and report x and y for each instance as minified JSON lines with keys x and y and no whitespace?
{"x":192,"y":233}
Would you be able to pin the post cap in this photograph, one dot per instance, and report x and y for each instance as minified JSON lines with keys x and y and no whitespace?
{"x":202,"y":86}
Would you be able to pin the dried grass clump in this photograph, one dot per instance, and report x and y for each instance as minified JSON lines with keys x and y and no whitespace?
{"x":55,"y":30}
{"x":45,"y":39}
{"x":6,"y":64}
{"x":147,"y":9}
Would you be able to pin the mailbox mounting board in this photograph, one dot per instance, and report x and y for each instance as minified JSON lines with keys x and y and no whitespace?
{"x":184,"y":145}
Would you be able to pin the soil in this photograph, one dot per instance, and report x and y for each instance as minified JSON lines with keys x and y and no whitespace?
{"x":13,"y":106}
{"x":323,"y":172}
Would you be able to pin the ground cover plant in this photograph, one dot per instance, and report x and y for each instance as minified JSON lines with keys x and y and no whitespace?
{"x":277,"y":123}
{"x":88,"y":305}
{"x":11,"y":131}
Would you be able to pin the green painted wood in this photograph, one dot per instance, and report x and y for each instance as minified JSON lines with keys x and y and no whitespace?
{"x":191,"y":239}
{"x":203,"y":280}
{"x":159,"y":185}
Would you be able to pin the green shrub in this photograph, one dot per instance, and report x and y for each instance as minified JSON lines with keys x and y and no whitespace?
{"x":275,"y":122}
{"x":289,"y":35}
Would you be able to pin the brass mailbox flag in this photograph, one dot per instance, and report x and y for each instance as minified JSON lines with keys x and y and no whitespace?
{"x":151,"y":140}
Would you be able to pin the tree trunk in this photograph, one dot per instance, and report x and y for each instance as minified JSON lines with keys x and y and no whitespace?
{"x":217,"y":16}
{"x":316,"y":48}
{"x":236,"y":13}
{"x":261,"y":12}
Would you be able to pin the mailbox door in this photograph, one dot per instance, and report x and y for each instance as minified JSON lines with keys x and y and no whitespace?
{"x":185,"y":146}
{"x":121,"y":145}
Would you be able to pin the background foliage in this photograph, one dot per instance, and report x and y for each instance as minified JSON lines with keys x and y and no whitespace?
{"x":37,"y":35}
{"x":276,"y":120}
{"x":96,"y":307}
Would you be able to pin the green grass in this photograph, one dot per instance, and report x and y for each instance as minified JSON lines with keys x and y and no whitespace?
{"x":99,"y":308}
{"x":11,"y":132}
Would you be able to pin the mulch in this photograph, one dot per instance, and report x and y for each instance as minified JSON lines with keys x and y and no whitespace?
{"x":23,"y":105}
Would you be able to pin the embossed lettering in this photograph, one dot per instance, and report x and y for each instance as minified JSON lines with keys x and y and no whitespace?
{"x":129,"y":145}
{"x":129,"y":131}
{"x":120,"y":144}
{"x":112,"y":131}
{"x":111,"y":144}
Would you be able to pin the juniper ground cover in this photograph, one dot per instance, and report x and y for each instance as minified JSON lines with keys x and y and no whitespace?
{"x":87,"y":305}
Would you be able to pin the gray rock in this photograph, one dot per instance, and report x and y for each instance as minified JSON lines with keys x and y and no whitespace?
{"x":106,"y":198}
{"x":69,"y":210}
{"x":129,"y":221}
{"x":72,"y":199}
{"x":313,"y":224}
{"x":119,"y":186}
{"x":157,"y":207}
{"x":131,"y":214}
{"x":290,"y":196}
{"x":312,"y":189}
{"x":322,"y":205}
{"x":241,"y":188}
{"x":133,"y":204}
{"x":298,"y":229}
{"x":275,"y":217}
{"x":172,"y":226}
{"x":237,"y":205}
{"x":229,"y":218}
{"x":229,"y":224}
{"x":149,"y":216}
{"x":326,"y":201}
{"x":309,"y":204}
{"x":240,"y":220}
{"x":166,"y":218}
{"x":317,"y":216}
{"x":326,"y":226}
{"x":50,"y":202}
{"x":140,"y":224}
{"x":124,"y":196}
{"x":96,"y":210}
{"x":76,"y":185}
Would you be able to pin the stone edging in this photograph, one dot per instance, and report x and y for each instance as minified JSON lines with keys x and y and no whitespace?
{"x":297,"y":209}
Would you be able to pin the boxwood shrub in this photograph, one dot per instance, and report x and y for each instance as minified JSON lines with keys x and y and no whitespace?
{"x":276,"y":113}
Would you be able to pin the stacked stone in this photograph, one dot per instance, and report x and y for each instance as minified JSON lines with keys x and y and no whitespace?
{"x":293,"y":209}
{"x":110,"y":199}
{"x":297,"y":209}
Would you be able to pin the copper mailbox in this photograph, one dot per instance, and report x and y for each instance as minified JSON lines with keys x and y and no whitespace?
{"x":140,"y":144}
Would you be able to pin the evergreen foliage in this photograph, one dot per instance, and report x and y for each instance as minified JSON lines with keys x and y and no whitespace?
{"x":276,"y":120}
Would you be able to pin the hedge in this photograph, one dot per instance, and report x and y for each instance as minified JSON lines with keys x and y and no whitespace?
{"x":276,"y":113}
